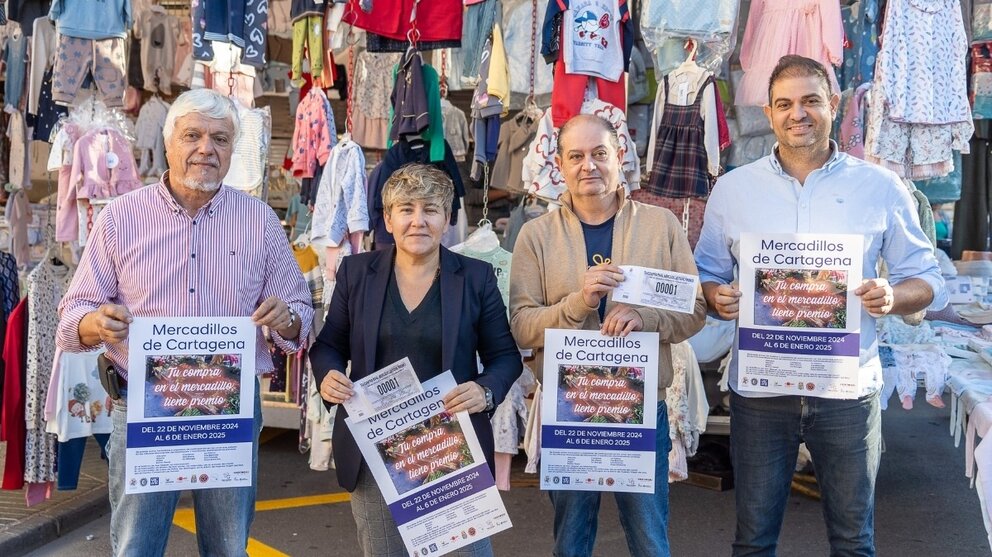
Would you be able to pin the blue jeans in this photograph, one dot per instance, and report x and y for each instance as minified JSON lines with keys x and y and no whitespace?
{"x":644,"y":517}
{"x":140,"y":523}
{"x":844,"y":437}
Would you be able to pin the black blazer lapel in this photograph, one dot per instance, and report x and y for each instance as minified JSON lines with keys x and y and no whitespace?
{"x":375,"y":296}
{"x":452,"y":290}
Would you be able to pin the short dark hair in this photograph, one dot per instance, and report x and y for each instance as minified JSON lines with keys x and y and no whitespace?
{"x":592,"y":118}
{"x":791,"y":65}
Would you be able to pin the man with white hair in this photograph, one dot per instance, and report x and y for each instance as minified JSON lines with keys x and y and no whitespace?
{"x":187,"y":246}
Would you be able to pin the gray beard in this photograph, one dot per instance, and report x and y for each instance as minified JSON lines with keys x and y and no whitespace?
{"x":198,"y":185}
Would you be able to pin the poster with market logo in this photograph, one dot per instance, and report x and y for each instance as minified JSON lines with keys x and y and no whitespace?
{"x":800,"y":321}
{"x":190,"y":403}
{"x":432,"y":472}
{"x":599,"y":412}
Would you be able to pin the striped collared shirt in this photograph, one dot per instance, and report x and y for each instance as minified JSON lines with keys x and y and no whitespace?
{"x":147,"y":253}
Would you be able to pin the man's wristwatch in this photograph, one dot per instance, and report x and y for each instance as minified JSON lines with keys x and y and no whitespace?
{"x":292,"y":318}
{"x":490,"y":404}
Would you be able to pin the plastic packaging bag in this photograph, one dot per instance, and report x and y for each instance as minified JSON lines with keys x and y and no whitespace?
{"x":666,"y":24}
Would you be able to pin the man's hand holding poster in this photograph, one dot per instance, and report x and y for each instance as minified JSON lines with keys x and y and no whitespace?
{"x":800,"y":321}
{"x":190,"y":403}
{"x":599,"y":412}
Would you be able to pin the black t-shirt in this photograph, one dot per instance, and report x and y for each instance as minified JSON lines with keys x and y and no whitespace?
{"x":415,"y":335}
{"x":599,"y":248}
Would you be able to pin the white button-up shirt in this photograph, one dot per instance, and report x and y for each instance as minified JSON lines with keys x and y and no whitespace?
{"x":845,"y":196}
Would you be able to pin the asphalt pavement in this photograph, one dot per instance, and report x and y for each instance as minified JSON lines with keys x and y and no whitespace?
{"x":924,"y":507}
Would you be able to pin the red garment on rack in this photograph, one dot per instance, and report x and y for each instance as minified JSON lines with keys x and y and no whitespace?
{"x":437,"y":20}
{"x":12,"y":426}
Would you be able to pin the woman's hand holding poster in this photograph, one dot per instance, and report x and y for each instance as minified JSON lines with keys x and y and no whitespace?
{"x":432,"y":472}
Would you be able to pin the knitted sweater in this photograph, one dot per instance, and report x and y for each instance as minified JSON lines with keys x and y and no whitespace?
{"x":548,"y":266}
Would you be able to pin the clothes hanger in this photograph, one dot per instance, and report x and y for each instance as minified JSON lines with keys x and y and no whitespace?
{"x":688,"y":71}
{"x":303,"y":240}
{"x":689,"y":66}
{"x":483,"y":239}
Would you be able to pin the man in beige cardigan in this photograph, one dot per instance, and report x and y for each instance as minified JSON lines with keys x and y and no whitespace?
{"x":564,"y":266}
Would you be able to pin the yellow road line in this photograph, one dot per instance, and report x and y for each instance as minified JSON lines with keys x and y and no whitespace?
{"x":307,"y":501}
{"x":185,"y":519}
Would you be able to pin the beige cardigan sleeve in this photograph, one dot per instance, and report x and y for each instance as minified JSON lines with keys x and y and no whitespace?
{"x":530,"y":312}
{"x":672,"y":326}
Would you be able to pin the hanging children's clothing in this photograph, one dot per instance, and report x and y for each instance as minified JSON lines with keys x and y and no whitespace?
{"x":309,"y":262}
{"x":341,"y":209}
{"x":158,"y":32}
{"x":314,"y":135}
{"x":47,"y":283}
{"x":102,"y":59}
{"x":101,"y":168}
{"x":149,"y":140}
{"x":251,"y":150}
{"x":919,"y":111}
{"x":92,"y":20}
{"x":12,"y":425}
{"x":585,"y":30}
{"x":308,"y":43}
{"x":77,"y":405}
{"x":591,"y":37}
{"x":49,"y":113}
{"x":237,"y":22}
{"x":455,"y":129}
{"x":486,"y":111}
{"x":810,"y":28}
{"x":409,"y":99}
{"x":18,"y":170}
{"x":684,"y":410}
{"x":522,"y":51}
{"x":15,"y":54}
{"x":861,"y":28}
{"x":18,"y":215}
{"x":424,"y":97}
{"x":477,"y":24}
{"x":102,"y":165}
{"x":851,"y":132}
{"x":374,"y":78}
{"x":182,"y":66}
{"x":436,"y":20}
{"x":280,"y":18}
{"x":43,"y":42}
{"x":685,"y":144}
{"x":90,"y":41}
{"x":515,"y":135}
{"x":23,"y":12}
{"x":10,"y":295}
{"x":499,"y":258}
{"x":509,"y":422}
{"x":225,"y":74}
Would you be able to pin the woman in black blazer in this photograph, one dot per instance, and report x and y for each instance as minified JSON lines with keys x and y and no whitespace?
{"x":421,"y":301}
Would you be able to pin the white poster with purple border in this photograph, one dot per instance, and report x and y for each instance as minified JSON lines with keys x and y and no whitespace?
{"x":190,"y":403}
{"x":800,"y":321}
{"x":599,"y":413}
{"x":432,"y":472}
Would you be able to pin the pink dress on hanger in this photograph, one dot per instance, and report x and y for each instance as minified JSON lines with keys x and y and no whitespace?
{"x":810,"y":28}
